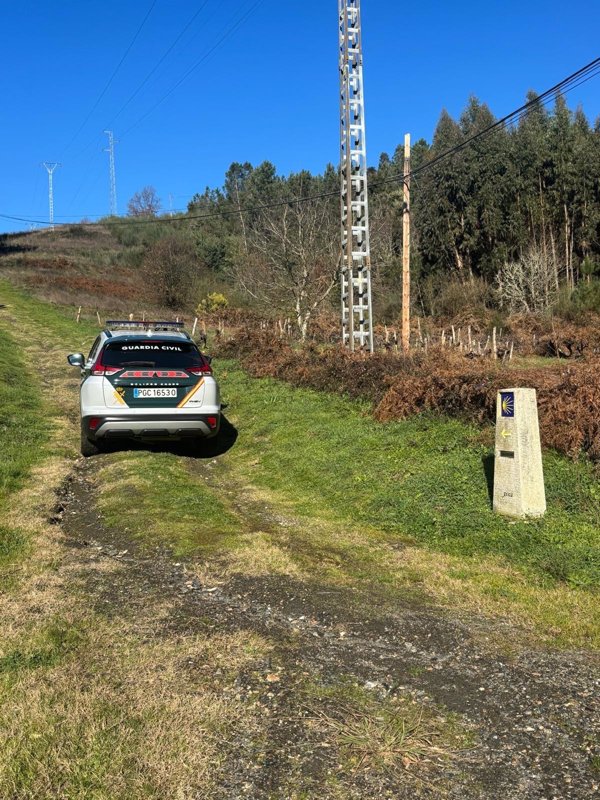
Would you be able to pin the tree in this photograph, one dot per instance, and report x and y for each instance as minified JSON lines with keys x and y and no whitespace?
{"x":145,"y":203}
{"x":293,"y":262}
{"x":170,"y":268}
{"x":443,"y":204}
{"x":531,"y":160}
{"x":528,"y":283}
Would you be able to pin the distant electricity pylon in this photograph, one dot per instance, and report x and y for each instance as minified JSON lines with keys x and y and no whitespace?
{"x":357,"y":317}
{"x":50,"y":167}
{"x":113,"y":180}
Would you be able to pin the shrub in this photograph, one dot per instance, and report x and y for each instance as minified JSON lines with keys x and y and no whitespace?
{"x":452,"y":299}
{"x":443,"y":381}
{"x":586,"y":296}
{"x":169,"y":265}
{"x":528,"y":284}
{"x":212,"y":303}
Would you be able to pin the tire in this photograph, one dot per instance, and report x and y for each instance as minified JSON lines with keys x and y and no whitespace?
{"x":88,"y":448}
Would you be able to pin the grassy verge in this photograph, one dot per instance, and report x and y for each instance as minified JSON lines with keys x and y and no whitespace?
{"x":88,"y":710}
{"x":45,"y":323}
{"x":394,"y":511}
{"x":22,"y":432}
{"x":419,"y":481}
{"x":93,"y":703}
{"x":386,"y":488}
{"x":23,"y":440}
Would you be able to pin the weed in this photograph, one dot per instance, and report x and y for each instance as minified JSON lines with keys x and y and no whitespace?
{"x":11,"y":543}
{"x":386,"y":736}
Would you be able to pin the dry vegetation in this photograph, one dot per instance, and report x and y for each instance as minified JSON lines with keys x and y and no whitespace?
{"x":440,"y":380}
{"x":74,"y":266}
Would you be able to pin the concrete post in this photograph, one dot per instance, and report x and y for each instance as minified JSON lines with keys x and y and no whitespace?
{"x":518,"y":472}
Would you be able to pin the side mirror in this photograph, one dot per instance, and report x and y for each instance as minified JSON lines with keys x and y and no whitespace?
{"x":76,"y":360}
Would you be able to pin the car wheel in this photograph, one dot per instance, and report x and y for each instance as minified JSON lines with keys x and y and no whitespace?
{"x":88,"y":448}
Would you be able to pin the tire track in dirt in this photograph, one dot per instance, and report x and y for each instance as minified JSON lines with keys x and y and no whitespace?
{"x":536,"y":714}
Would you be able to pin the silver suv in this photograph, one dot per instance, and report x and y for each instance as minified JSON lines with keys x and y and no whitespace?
{"x":145,"y":380}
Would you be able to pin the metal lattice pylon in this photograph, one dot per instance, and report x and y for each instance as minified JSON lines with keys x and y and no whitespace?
{"x":357,"y":316}
{"x":113,"y":179}
{"x":50,"y":167}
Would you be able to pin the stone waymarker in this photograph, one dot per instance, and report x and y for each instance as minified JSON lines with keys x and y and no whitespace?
{"x":518,"y":473}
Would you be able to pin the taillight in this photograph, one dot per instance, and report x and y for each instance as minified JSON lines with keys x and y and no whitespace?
{"x":204,"y":369}
{"x":212,"y":422}
{"x":100,"y":369}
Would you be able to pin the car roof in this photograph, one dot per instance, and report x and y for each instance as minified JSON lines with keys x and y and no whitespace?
{"x":123,"y":335}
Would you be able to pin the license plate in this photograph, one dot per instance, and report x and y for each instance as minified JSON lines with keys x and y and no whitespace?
{"x":143,"y":394}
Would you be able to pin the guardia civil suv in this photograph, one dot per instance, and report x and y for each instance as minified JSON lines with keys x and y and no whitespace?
{"x":145,"y":380}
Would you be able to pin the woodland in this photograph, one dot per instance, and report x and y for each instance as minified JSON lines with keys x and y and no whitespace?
{"x":510,"y":223}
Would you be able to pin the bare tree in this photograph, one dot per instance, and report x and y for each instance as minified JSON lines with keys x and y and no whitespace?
{"x":528,"y":284}
{"x":145,"y":203}
{"x":293,"y":259}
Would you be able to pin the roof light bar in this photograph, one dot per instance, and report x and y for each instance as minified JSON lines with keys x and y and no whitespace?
{"x":145,"y":324}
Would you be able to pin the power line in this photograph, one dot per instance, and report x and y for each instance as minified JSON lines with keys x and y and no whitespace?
{"x":146,"y":79}
{"x":112,"y":77}
{"x":187,"y":217}
{"x":195,"y":66}
{"x":567,"y":84}
{"x":228,"y":32}
{"x":86,"y":178}
{"x":159,"y":62}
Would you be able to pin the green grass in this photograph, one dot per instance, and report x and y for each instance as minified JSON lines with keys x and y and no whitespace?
{"x":27,"y":416}
{"x":49,"y":646}
{"x":56,"y":324}
{"x":22,"y":430}
{"x":23,"y":438}
{"x":420,"y":480}
{"x":174,"y":507}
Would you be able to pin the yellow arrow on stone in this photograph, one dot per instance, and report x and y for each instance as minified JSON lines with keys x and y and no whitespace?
{"x":505,"y":434}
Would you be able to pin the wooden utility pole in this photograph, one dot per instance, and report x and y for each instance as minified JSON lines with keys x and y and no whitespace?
{"x":406,"y":249}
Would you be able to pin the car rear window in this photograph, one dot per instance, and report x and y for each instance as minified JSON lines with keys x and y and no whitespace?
{"x":152,"y":353}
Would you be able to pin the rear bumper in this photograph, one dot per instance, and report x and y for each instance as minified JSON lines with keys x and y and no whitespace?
{"x":151,"y":426}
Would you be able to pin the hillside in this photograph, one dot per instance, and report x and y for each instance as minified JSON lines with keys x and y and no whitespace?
{"x":320,"y":605}
{"x":75,"y":265}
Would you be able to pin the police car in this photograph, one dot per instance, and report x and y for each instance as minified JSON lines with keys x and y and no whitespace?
{"x":145,"y":380}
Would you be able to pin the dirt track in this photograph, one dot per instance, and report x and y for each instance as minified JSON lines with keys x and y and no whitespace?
{"x":534,"y":715}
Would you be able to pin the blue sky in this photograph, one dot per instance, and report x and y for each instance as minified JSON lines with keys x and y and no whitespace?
{"x":267,"y":91}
